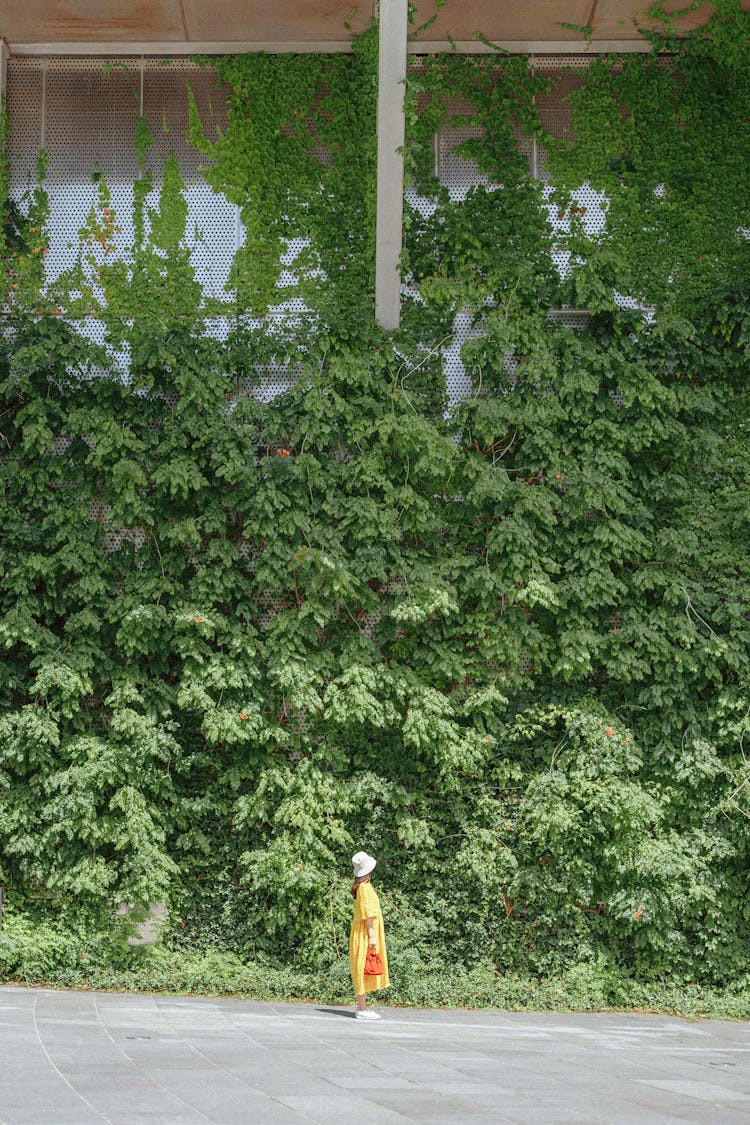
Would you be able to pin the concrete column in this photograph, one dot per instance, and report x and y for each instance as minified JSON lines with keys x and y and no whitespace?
{"x":390,"y":200}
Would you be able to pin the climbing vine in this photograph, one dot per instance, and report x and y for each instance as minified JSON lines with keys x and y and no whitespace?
{"x":491,"y":249}
{"x":665,"y":137}
{"x":503,"y":641}
{"x":298,"y":157}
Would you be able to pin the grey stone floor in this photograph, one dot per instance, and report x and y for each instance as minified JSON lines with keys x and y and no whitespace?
{"x":79,"y":1058}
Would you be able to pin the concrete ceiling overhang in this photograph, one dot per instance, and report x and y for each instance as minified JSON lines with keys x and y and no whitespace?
{"x":213,"y":26}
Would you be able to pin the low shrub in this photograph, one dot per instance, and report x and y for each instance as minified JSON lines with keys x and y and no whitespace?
{"x":43,"y":954}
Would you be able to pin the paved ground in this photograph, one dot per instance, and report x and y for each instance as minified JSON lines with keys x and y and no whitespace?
{"x":81,"y":1058}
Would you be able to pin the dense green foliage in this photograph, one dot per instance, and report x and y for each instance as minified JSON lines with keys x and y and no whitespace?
{"x":501,"y":644}
{"x":300,"y":164}
{"x":56,"y":955}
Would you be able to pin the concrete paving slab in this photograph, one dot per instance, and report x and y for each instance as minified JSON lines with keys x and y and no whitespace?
{"x":704,"y":1091}
{"x":429,"y":1105}
{"x":87,"y":1057}
{"x":338,"y":1111}
{"x":28,"y":1115}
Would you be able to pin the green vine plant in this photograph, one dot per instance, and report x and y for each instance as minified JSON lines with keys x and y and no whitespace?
{"x":491,"y":249}
{"x":663,"y":136}
{"x":298,"y":158}
{"x":242,"y":638}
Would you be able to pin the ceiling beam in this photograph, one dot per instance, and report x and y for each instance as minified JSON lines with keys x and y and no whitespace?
{"x":176,"y":49}
{"x":531,"y":47}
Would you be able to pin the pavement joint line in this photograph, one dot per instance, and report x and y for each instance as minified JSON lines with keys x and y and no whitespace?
{"x":218,"y":1066}
{"x":296,"y":1063}
{"x":315,"y":1039}
{"x":57,"y":1070}
{"x":318,"y":1039}
{"x":132,"y":1062}
{"x":527,"y":1032}
{"x":671,"y":1085}
{"x":417,"y":1086}
{"x":346,"y":1054}
{"x":416,"y":1025}
{"x":703,"y":1050}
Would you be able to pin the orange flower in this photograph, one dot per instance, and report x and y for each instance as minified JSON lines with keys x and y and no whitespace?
{"x":243,"y":715}
{"x":609,"y":731}
{"x":638,"y":914}
{"x":199,"y":617}
{"x":284,"y":452}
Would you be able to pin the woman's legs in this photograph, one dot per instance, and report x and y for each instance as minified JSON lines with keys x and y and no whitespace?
{"x":363,"y":1012}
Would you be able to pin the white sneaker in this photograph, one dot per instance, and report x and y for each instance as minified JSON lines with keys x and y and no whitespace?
{"x":367,"y":1014}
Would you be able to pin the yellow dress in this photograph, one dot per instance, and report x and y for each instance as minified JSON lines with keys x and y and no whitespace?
{"x":366,"y":905}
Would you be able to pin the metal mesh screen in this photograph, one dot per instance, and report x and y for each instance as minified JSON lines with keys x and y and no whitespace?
{"x":566,"y":75}
{"x":214,"y":227}
{"x":459,"y":174}
{"x":458,"y":381}
{"x":91,"y":117}
{"x":455,"y":171}
{"x":25,"y":103}
{"x":84,"y":111}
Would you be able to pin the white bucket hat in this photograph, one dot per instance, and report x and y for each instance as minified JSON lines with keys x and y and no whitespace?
{"x":363,"y":864}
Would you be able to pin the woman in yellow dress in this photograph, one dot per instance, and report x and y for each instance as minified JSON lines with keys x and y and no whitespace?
{"x":367,"y":933}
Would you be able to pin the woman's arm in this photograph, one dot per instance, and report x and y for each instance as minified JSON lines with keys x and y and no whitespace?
{"x":371,"y":933}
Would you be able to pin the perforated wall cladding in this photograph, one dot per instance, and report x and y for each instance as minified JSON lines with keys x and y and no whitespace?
{"x":458,"y":174}
{"x":84,"y":112}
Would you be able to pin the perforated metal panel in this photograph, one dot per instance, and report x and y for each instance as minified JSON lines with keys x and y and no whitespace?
{"x":566,"y":74}
{"x":25,"y":102}
{"x":272,"y":379}
{"x":90,"y":116}
{"x":458,"y":381}
{"x":85,"y":111}
{"x":214,"y":230}
{"x":456,"y":172}
{"x":569,"y":317}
